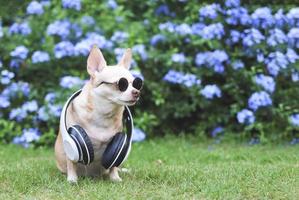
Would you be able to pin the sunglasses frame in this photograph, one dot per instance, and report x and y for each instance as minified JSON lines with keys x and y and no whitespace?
{"x":116,"y":83}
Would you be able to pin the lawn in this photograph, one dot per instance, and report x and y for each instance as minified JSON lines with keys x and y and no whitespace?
{"x":166,"y":168}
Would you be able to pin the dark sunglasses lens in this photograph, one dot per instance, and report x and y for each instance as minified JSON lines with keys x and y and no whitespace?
{"x":137,"y":83}
{"x":123,"y":84}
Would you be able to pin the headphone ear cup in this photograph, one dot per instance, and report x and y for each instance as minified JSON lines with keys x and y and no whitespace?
{"x":122,"y":154}
{"x":113,"y":150}
{"x":83,"y":144}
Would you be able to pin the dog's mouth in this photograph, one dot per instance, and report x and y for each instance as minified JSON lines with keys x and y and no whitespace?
{"x":126,"y":102}
{"x":130,"y":102}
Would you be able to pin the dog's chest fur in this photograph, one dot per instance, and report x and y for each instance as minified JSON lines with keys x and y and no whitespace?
{"x":99,"y":127}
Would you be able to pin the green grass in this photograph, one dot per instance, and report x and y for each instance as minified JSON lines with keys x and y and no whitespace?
{"x":166,"y":168}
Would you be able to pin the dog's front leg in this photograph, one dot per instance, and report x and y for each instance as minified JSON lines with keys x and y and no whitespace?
{"x":113,"y":174}
{"x":72,"y":176}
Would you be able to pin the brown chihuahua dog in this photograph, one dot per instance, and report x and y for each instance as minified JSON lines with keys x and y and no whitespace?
{"x":99,"y":110}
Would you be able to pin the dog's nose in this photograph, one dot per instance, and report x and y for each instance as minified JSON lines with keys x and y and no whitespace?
{"x":135,"y":93}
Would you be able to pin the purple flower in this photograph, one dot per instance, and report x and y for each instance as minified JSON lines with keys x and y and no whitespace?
{"x":63,"y":49}
{"x":232,"y":3}
{"x":55,"y":110}
{"x":42,"y":114}
{"x":252,"y":37}
{"x":87,"y":20}
{"x":50,"y":97}
{"x":293,"y":36}
{"x":209,"y":11}
{"x":15,"y":63}
{"x":30,"y":106}
{"x":14,"y":88}
{"x":35,"y":8}
{"x":295,"y":76}
{"x":73,"y":4}
{"x":140,"y":49}
{"x":24,"y":88}
{"x":262,"y":17}
{"x":197,"y":28}
{"x":183,"y":29}
{"x":276,"y":61}
{"x":40,"y":56}
{"x":112,"y":4}
{"x":18,"y":114}
{"x":213,"y":31}
{"x":138,"y":135}
{"x":216,"y":131}
{"x":119,"y":53}
{"x":61,"y":28}
{"x":293,"y":33}
{"x":20,"y":52}
{"x":294,"y":119}
{"x":259,"y":99}
{"x":260,"y":57}
{"x":292,"y":55}
{"x":31,"y":134}
{"x":168,"y":26}
{"x":76,"y":30}
{"x":84,"y":46}
{"x":211,"y":91}
{"x":178,"y":58}
{"x":267,"y":82}
{"x":219,"y":68}
{"x":277,"y":37}
{"x":176,"y":77}
{"x":293,"y":16}
{"x":213,"y":59}
{"x":280,"y":18}
{"x":6,"y":77}
{"x":157,"y":39}
{"x":4,"y":102}
{"x":20,"y":141}
{"x":245,"y":116}
{"x":273,"y":68}
{"x":201,"y":58}
{"x":238,"y":64}
{"x":28,"y":136}
{"x":163,"y":10}
{"x":235,"y":36}
{"x":45,"y":2}
{"x":119,"y":36}
{"x":70,"y":82}
{"x":237,"y":16}
{"x":22,"y":28}
{"x":217,"y":56}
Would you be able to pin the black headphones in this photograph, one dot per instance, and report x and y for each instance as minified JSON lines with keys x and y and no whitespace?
{"x":78,"y":146}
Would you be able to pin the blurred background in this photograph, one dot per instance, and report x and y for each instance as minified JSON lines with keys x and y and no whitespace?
{"x":211,"y":69}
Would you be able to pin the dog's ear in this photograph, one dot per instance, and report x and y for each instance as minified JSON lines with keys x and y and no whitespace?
{"x":95,"y":62}
{"x":125,"y":61}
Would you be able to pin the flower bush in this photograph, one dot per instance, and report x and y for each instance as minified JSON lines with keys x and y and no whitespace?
{"x":205,"y":66}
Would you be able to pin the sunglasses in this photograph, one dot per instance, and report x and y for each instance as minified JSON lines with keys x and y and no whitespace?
{"x":122,"y":84}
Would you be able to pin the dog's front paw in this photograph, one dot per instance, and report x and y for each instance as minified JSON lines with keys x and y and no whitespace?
{"x":72,"y":179}
{"x":113,"y":175}
{"x":115,"y":178}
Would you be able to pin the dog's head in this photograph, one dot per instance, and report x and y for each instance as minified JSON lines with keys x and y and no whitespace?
{"x":115,"y":83}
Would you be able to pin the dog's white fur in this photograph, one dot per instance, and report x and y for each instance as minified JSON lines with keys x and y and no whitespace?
{"x":98,"y":109}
